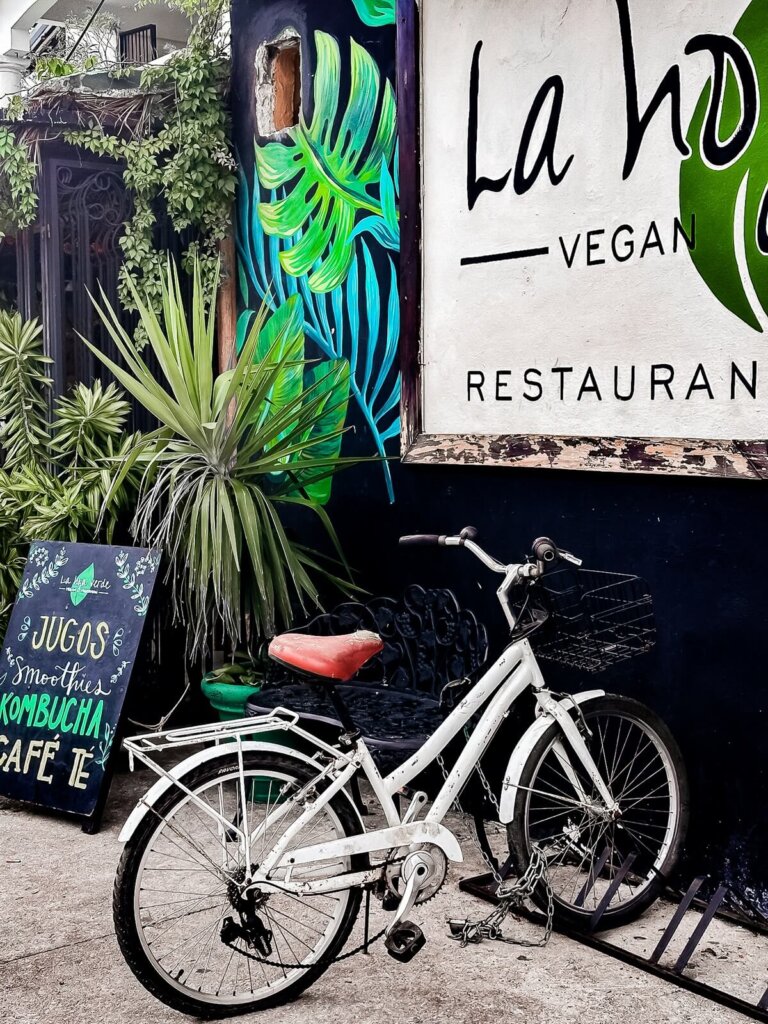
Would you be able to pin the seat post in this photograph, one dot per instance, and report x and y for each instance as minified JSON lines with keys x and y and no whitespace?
{"x":351,"y":732}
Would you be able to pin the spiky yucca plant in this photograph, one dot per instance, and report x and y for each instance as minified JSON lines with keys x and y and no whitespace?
{"x":233,"y":450}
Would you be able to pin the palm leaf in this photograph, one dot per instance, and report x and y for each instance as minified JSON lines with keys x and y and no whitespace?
{"x":333,"y":322}
{"x":205,"y":497}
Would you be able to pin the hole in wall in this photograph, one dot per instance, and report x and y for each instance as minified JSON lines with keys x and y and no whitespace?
{"x":278,"y":83}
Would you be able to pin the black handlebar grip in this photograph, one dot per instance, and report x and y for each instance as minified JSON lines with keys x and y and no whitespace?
{"x":420,"y":538}
{"x":545,"y":550}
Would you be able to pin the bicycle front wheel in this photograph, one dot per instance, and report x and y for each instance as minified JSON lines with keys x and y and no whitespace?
{"x":557,"y":806}
{"x":181,"y":875}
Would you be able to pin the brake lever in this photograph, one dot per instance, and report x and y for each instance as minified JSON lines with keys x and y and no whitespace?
{"x":568,"y":557}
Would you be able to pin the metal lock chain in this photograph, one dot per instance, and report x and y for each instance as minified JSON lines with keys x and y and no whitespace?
{"x":510,"y":894}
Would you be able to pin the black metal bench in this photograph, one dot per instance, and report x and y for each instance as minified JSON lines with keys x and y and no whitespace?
{"x":429,"y":641}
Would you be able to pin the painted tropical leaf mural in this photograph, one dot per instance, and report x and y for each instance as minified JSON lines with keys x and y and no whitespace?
{"x":330,"y":170}
{"x":728,"y":235}
{"x":376,"y":12}
{"x":358,"y":321}
{"x":326,"y":386}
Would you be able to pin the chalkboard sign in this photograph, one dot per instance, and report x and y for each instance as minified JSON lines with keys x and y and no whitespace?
{"x":65,"y":668}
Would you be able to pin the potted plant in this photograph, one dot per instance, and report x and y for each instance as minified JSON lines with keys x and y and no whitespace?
{"x":229,"y":688}
{"x":232,"y":454}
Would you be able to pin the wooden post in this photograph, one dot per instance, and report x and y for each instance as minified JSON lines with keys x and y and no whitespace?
{"x":227,"y":305}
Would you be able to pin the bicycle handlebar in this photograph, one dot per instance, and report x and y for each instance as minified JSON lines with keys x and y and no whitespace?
{"x":545,"y":551}
{"x":421,"y":538}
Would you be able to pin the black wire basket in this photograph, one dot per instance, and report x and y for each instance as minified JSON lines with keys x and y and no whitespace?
{"x":594,"y":619}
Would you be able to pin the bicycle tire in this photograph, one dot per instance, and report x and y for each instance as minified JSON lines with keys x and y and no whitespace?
{"x":519,"y":829}
{"x":127,"y":928}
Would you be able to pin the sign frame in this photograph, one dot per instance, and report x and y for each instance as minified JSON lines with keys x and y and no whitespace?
{"x":737,"y":459}
{"x":53,"y":659}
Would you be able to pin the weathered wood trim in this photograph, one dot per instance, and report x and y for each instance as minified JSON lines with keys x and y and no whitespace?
{"x":743,"y":460}
{"x":409,"y":129}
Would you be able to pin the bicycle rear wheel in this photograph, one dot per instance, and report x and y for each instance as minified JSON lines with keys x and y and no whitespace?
{"x":557,"y":807}
{"x":181,"y":876}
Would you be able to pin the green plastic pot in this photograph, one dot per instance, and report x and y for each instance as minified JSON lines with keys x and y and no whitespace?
{"x":229,"y":700}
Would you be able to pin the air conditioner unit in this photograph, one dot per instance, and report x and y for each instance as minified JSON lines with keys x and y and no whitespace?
{"x":46,"y":36}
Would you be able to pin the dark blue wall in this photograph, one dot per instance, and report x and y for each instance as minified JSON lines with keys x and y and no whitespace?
{"x":700,"y":543}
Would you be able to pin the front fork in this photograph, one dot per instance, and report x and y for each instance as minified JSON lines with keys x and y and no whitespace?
{"x":549,"y":706}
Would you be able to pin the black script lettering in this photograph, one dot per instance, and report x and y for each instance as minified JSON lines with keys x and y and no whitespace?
{"x":762,"y":225}
{"x":637,"y":124}
{"x":522,"y":181}
{"x":726,"y":49}
{"x":476,"y":186}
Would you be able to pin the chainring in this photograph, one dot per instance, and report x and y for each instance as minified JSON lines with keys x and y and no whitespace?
{"x":435,"y":879}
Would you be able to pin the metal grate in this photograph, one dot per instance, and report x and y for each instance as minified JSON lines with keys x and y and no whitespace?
{"x":138,"y":45}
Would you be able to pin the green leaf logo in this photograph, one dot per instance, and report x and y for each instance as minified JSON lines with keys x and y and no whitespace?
{"x":81,"y":585}
{"x":727,"y":203}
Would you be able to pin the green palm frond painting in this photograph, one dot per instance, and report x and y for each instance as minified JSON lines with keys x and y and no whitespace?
{"x":731,"y":197}
{"x":332,"y":168}
{"x":376,"y":12}
{"x":282,"y":340}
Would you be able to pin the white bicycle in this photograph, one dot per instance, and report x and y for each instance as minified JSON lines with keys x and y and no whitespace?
{"x":245,"y":864}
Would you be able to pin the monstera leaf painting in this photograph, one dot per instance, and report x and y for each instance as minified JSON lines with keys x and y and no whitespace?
{"x":331,"y":169}
{"x":376,"y":12}
{"x":727,"y":203}
{"x":359,"y":321}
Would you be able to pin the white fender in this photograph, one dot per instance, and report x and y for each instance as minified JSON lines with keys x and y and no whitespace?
{"x":150,"y":798}
{"x":524,"y":749}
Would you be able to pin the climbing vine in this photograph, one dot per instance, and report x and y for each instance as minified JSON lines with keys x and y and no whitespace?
{"x":171,"y":132}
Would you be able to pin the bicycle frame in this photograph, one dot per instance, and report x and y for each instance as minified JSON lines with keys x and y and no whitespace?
{"x":501,"y":685}
{"x":507,"y":678}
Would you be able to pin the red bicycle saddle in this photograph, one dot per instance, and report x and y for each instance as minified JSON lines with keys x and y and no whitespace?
{"x":329,"y":657}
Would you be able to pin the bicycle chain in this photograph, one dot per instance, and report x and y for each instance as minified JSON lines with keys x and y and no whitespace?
{"x":534,"y":875}
{"x":325,"y":962}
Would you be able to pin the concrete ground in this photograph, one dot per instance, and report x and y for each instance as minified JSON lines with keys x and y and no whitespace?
{"x":59,"y":960}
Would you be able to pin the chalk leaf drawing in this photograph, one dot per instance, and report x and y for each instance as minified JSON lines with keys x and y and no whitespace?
{"x":376,"y":12}
{"x":727,"y":202}
{"x":81,"y":585}
{"x":331,"y":168}
{"x":358,"y":321}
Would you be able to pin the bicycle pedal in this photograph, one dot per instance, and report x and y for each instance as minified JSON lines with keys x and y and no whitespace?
{"x":405,"y":941}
